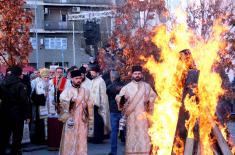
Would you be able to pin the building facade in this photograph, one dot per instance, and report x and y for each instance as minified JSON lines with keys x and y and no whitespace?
{"x":56,"y":39}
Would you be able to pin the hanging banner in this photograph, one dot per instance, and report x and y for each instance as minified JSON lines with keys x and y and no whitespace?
{"x":89,"y":15}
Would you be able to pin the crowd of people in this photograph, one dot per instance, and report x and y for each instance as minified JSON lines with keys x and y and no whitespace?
{"x":68,"y":108}
{"x":65,"y":109}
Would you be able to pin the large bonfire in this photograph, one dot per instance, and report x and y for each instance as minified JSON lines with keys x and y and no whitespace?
{"x":167,"y":72}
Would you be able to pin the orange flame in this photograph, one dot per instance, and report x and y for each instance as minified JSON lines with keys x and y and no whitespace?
{"x":167,"y":73}
{"x":233,"y":150}
{"x":193,"y":109}
{"x":178,"y":147}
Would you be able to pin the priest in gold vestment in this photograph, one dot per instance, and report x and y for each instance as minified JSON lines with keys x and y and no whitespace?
{"x":99,"y":121}
{"x":136,"y":99}
{"x":74,"y":102}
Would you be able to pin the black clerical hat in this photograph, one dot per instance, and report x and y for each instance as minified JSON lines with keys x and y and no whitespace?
{"x":136,"y":68}
{"x":75,"y":73}
{"x":95,"y":68}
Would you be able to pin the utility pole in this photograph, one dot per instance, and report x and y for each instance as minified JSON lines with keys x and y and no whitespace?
{"x":36,"y":31}
{"x":74,"y":51}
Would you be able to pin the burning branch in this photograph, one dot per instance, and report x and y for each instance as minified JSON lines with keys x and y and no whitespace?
{"x":220,"y":139}
{"x":189,"y":146}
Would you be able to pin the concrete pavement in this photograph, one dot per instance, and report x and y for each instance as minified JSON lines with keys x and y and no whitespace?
{"x":103,"y":149}
{"x":93,"y":149}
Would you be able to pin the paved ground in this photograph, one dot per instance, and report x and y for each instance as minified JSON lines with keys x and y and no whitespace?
{"x":103,"y":149}
{"x":93,"y":149}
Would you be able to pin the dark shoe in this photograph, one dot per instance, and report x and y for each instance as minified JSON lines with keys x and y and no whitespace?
{"x":16,"y":153}
{"x":110,"y":153}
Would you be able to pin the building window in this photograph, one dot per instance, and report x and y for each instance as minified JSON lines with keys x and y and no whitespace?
{"x":63,"y":18}
{"x":64,"y":1}
{"x":63,"y":64}
{"x":34,"y":65}
{"x":33,"y":42}
{"x":55,"y":43}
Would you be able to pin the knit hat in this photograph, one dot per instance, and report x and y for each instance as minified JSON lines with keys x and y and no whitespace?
{"x":16,"y":70}
{"x":82,"y":69}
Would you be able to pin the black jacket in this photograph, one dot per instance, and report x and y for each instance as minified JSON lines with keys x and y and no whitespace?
{"x":233,"y":85}
{"x":15,"y":102}
{"x":112,"y":90}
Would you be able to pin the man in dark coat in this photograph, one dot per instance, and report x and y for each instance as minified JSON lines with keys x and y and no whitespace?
{"x":233,"y":100}
{"x":115,"y":115}
{"x":14,"y":110}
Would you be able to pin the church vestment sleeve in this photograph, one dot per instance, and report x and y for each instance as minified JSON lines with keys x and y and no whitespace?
{"x":51,"y":89}
{"x":88,"y":98}
{"x":103,"y":95}
{"x":118,"y":97}
{"x":65,"y":96}
{"x":40,"y":88}
{"x":104,"y":106}
{"x":51,"y":93}
{"x":68,"y":83}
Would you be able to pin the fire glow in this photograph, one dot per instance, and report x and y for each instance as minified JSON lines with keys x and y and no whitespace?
{"x":167,"y":72}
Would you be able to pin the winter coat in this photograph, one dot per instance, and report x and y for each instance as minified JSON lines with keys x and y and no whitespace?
{"x":15,"y":102}
{"x":112,"y":90}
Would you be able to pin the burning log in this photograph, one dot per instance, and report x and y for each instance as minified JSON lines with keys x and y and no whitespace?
{"x":198,"y":148}
{"x":190,"y":85}
{"x":222,"y":144}
{"x":214,"y":149}
{"x":189,"y":146}
{"x":219,"y":137}
{"x":221,"y":141}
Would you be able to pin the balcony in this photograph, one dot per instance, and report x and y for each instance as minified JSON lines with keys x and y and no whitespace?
{"x":82,"y":2}
{"x":62,"y":26}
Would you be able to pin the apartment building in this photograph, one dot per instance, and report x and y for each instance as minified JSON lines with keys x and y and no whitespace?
{"x":58,"y":40}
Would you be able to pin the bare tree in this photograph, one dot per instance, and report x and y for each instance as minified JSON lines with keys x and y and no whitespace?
{"x":132,"y":35}
{"x":14,"y":31}
{"x":201,"y":15}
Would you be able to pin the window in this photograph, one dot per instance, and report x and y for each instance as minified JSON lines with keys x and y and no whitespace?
{"x":64,"y":43}
{"x":64,"y":1}
{"x":58,"y":44}
{"x":34,"y":65}
{"x":33,"y":42}
{"x":55,"y":43}
{"x":63,"y":18}
{"x":48,"y":64}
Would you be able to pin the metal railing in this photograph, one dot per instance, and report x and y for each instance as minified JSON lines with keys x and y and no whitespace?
{"x":49,"y":25}
{"x":95,"y":2}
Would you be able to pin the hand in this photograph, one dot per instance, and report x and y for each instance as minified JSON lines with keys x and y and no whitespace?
{"x":74,"y":99}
